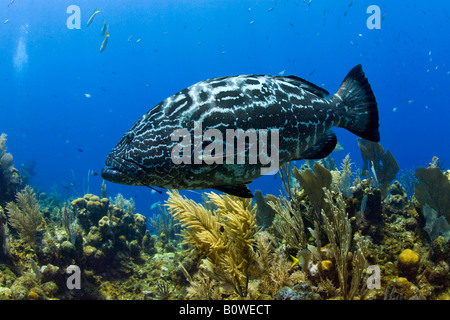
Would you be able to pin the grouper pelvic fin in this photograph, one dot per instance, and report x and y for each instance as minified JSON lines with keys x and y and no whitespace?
{"x":322,"y":148}
{"x":240,"y":190}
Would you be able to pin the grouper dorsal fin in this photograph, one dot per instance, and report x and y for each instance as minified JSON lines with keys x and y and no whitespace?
{"x":308,"y":86}
{"x":322,"y":148}
{"x":240,"y":190}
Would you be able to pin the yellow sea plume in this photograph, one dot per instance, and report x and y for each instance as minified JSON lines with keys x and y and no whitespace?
{"x":25,"y":215}
{"x":224,"y":235}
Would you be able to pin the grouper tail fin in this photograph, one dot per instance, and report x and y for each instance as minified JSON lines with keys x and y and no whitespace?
{"x":357,"y":106}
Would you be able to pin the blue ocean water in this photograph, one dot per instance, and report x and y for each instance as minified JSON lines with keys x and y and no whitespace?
{"x":64,"y":105}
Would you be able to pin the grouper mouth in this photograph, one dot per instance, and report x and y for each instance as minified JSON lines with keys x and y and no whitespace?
{"x":122,"y":171}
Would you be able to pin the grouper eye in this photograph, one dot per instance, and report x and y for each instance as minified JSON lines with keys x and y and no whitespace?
{"x":130,"y":137}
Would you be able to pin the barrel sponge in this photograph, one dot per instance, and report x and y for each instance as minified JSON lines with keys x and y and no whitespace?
{"x":408,"y":257}
{"x":408,"y":261}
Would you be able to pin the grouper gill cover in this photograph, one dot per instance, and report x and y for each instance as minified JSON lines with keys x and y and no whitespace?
{"x":301,"y":112}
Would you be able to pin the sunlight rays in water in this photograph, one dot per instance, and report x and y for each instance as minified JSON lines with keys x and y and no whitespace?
{"x":20,"y":58}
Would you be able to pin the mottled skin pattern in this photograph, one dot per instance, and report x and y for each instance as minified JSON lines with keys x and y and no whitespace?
{"x":301,"y":111}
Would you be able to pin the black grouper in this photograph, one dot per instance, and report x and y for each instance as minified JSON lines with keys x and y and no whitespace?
{"x":301,"y":112}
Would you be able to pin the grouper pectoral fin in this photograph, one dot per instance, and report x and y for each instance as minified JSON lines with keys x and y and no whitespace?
{"x":240,"y":190}
{"x":322,"y":148}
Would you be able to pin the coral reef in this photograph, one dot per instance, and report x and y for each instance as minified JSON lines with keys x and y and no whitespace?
{"x":333,"y":234}
{"x":4,"y":237}
{"x":25,"y":216}
{"x":9,"y":176}
{"x":382,"y":164}
{"x":225,"y":237}
{"x":408,"y":262}
{"x":338,"y":229}
{"x":433,"y":188}
{"x":290,"y":227}
{"x":111,"y":233}
{"x":164,"y":224}
{"x":105,"y":241}
{"x":435,"y":225}
{"x":265,"y":213}
{"x":298,"y":292}
{"x":313,"y":182}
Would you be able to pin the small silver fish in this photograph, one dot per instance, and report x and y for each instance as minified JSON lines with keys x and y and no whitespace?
{"x":105,"y":41}
{"x":92,"y":17}
{"x":104,"y":28}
